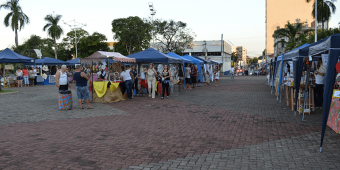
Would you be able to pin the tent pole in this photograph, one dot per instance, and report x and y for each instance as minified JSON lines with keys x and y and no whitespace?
{"x":304,"y":96}
{"x":92,"y":81}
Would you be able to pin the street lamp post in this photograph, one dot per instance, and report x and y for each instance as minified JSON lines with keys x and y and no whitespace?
{"x":76,"y":25}
{"x":152,"y":13}
{"x":316,"y":21}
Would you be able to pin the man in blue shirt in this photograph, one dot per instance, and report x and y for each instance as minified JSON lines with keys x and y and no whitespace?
{"x":81,"y":85}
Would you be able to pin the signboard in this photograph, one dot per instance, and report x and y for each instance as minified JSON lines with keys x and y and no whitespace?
{"x":40,"y":79}
{"x":51,"y":79}
{"x":9,"y":67}
{"x":324,"y":59}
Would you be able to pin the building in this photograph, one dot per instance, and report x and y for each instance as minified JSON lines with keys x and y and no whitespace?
{"x":213,"y":50}
{"x":241,"y":52}
{"x":278,"y":12}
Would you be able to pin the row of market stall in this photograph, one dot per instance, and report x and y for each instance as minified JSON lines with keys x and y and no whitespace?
{"x":108,"y":64}
{"x":292,"y":76}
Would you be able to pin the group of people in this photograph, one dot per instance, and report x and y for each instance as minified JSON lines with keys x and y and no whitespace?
{"x":81,"y":80}
{"x":148,"y":76}
{"x":29,"y":76}
{"x":191,"y":76}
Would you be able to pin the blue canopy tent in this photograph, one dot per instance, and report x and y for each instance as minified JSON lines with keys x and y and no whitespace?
{"x":204,"y":61}
{"x":153,"y":56}
{"x":332,"y":46}
{"x":49,"y":61}
{"x":283,"y":58}
{"x":73,"y":62}
{"x":9,"y":56}
{"x":297,"y":56}
{"x":197,"y":62}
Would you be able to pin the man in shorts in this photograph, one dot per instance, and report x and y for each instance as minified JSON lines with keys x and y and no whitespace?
{"x":81,"y":85}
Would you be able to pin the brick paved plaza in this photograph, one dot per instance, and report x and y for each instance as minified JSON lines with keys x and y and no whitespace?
{"x":237,"y":125}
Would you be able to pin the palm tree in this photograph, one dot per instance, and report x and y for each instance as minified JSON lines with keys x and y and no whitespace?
{"x":325,"y":10}
{"x":291,"y":31}
{"x":53,"y":29}
{"x":16,"y":18}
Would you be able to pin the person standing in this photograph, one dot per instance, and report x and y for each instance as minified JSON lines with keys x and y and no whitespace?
{"x":232,"y":70}
{"x":207,"y":78}
{"x":319,"y":83}
{"x":19,"y":75}
{"x":217,"y":76}
{"x":151,"y":77}
{"x":25,"y":72}
{"x":165,"y":75}
{"x":61,"y":78}
{"x":127,"y":80}
{"x":81,"y":86}
{"x":34,"y":71}
{"x":135,"y":78}
{"x":187,"y":76}
{"x":194,"y":76}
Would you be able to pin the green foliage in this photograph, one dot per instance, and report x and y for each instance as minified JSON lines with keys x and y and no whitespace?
{"x":234,"y":57}
{"x":72,"y":35}
{"x":291,"y":31}
{"x":35,"y":42}
{"x":53,"y":29}
{"x":325,"y":10}
{"x":90,"y":44}
{"x":121,"y":48}
{"x":253,"y":60}
{"x":173,"y":36}
{"x":17,"y":19}
{"x":134,"y":32}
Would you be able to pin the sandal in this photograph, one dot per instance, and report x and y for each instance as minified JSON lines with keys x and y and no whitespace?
{"x":90,"y":107}
{"x":81,"y":107}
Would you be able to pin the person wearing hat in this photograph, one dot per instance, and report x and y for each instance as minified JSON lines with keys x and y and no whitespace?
{"x":81,"y":86}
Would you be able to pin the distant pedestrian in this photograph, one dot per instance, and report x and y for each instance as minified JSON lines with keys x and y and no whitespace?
{"x":194,"y":76}
{"x":207,"y":78}
{"x":187,"y":76}
{"x":165,"y":75}
{"x":127,"y":80}
{"x":81,"y":86}
{"x":216,"y":76}
{"x":134,"y":72}
{"x":232,"y":72}
{"x":151,"y":77}
{"x":34,"y":72}
{"x":19,"y":75}
{"x":26,"y":81}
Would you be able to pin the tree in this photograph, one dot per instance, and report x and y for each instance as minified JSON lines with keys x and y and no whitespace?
{"x":53,"y":29}
{"x":120,"y":47}
{"x":133,"y":32}
{"x":17,"y":19}
{"x":234,"y":58}
{"x":325,"y":10}
{"x":291,"y":31}
{"x":90,"y":44}
{"x":173,"y":36}
{"x":35,"y":42}
{"x":72,"y":35}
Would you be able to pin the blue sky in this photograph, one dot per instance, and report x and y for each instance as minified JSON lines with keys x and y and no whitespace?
{"x":241,"y":22}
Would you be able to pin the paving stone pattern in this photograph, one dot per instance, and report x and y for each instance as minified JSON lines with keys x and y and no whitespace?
{"x":237,"y":125}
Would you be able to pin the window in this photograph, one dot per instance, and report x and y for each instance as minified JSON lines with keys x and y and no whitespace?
{"x":282,"y":43}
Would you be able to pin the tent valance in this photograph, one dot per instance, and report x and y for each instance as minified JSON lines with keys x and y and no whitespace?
{"x":9,"y":56}
{"x":49,"y":61}
{"x":73,"y":62}
{"x":100,"y":55}
{"x":153,"y":56}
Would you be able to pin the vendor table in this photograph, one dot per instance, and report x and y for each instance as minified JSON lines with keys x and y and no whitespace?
{"x":111,"y":94}
{"x":309,"y":105}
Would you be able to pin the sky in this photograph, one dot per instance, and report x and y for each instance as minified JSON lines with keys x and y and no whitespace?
{"x":241,"y":22}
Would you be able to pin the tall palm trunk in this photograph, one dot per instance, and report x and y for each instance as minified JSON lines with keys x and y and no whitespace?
{"x":16,"y":37}
{"x":55,"y":48}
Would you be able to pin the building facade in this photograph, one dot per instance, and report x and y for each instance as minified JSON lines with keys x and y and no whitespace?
{"x":213,"y":50}
{"x":278,"y":12}
{"x":241,"y":52}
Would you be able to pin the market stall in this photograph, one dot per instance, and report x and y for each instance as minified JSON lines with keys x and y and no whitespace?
{"x":9,"y":56}
{"x":185,"y":61}
{"x":46,"y":77}
{"x":158,"y":58}
{"x":111,"y":88}
{"x":198,"y":63}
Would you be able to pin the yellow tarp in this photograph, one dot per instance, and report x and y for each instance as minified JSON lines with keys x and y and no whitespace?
{"x":100,"y":87}
{"x":113,"y":87}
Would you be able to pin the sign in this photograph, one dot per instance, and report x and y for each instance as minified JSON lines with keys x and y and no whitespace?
{"x":40,"y":79}
{"x":51,"y":79}
{"x":9,"y":67}
{"x":324,"y":59}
